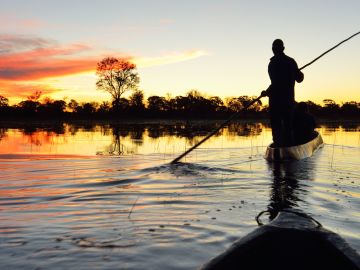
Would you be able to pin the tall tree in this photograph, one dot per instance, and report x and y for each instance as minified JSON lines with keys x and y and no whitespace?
{"x":4,"y":102}
{"x":116,"y":76}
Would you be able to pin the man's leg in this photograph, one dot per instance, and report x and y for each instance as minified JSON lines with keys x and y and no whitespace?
{"x":288,"y":131}
{"x":276,"y":128}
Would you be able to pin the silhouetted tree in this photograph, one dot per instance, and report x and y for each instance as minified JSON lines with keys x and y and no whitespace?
{"x":30,"y":106}
{"x":104,"y":107}
{"x":239,"y":103}
{"x":351,"y":108}
{"x":217,"y":103}
{"x":330,"y":106}
{"x":4,"y":106}
{"x":4,"y":102}
{"x":116,"y":76}
{"x":157,"y":104}
{"x":256,"y":107}
{"x":313,"y":107}
{"x":123,"y":106}
{"x":52,"y":107}
{"x":197,"y":103}
{"x":233,"y":104}
{"x":87,"y":108}
{"x":35,"y":96}
{"x":137,"y":101}
{"x":73,"y":105}
{"x":179,"y":103}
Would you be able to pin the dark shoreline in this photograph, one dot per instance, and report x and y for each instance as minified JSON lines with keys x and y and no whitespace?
{"x":157,"y":120}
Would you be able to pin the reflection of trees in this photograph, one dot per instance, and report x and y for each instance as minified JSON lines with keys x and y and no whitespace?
{"x":156,"y":130}
{"x":57,"y":129}
{"x":350,"y":126}
{"x":188,"y":130}
{"x":54,"y":129}
{"x":127,"y":137}
{"x":29,"y":129}
{"x":245,"y":129}
{"x":73,"y":129}
{"x":3,"y":133}
{"x":180,"y":129}
{"x":116,"y":148}
{"x":135,"y":132}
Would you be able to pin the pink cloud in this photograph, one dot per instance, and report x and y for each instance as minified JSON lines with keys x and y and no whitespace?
{"x":28,"y":58}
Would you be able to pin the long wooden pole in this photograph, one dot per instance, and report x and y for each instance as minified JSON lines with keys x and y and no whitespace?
{"x":251,"y":103}
{"x":329,"y":50}
{"x":214,"y":131}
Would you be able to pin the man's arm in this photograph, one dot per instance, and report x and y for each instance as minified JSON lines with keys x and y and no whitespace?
{"x":299,"y":76}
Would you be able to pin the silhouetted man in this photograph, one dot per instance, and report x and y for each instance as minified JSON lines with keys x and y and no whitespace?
{"x":283,"y":72}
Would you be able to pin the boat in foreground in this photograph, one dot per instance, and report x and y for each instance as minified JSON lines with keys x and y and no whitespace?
{"x":295,"y":152}
{"x":293,"y":240}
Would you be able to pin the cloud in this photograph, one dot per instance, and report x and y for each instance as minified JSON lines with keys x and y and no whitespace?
{"x":40,"y":69}
{"x":32,"y":58}
{"x":171,"y":58}
{"x":11,"y":43}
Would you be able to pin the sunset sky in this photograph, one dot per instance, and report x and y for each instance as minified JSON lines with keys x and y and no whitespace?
{"x":217,"y":47}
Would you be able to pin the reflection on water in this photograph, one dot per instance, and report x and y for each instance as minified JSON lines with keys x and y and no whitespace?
{"x":119,"y":139}
{"x":285,"y":189}
{"x":64,"y":207}
{"x":162,"y":137}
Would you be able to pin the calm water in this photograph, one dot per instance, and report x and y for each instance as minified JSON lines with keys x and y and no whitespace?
{"x":105,"y":197}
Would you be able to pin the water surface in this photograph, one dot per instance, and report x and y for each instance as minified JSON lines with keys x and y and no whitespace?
{"x":105,"y":197}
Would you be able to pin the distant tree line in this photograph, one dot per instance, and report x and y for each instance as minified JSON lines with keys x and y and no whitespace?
{"x":117,"y":76}
{"x":191,"y":106}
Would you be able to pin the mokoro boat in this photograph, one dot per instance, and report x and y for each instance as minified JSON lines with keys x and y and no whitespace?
{"x":293,"y":240}
{"x":296,"y":152}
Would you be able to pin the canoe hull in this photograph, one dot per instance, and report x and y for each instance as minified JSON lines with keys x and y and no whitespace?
{"x":296,"y":152}
{"x":288,"y":242}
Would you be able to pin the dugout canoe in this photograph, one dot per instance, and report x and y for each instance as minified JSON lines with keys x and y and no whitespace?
{"x":296,"y":152}
{"x":293,"y":240}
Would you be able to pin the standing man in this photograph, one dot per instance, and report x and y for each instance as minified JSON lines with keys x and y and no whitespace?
{"x":283,"y":72}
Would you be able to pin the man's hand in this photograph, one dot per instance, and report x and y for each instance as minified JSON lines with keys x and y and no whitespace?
{"x":267,"y":92}
{"x":264,"y":93}
{"x":299,"y":77}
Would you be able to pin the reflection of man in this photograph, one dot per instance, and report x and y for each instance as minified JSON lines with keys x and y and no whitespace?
{"x":283,"y":72}
{"x":284,"y":193}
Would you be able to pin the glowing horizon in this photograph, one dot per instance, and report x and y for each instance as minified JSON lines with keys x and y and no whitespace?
{"x":49,"y":49}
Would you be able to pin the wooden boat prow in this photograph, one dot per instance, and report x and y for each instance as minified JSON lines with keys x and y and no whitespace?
{"x":293,"y":240}
{"x":296,"y":152}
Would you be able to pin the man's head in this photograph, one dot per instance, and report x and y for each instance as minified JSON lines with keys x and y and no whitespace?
{"x":278,"y":46}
